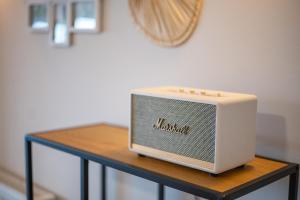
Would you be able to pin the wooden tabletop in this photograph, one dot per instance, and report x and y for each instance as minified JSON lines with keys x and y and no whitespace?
{"x":111,"y":142}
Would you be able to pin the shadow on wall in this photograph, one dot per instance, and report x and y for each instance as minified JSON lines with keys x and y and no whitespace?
{"x":271,"y":136}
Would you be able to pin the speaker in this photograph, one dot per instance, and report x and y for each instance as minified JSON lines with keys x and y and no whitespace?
{"x":213,"y":131}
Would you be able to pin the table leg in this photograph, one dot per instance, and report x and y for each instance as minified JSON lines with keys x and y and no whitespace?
{"x":29,"y":174}
{"x":103,"y":182}
{"x":293,"y":186}
{"x":161,"y":192}
{"x":84,"y":172}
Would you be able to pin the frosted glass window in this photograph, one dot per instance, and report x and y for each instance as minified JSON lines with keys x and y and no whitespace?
{"x":84,"y":15}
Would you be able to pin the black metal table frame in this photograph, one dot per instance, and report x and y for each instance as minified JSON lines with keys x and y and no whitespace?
{"x":291,"y":170}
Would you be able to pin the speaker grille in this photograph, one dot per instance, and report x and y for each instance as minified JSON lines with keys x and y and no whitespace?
{"x":199,"y":143}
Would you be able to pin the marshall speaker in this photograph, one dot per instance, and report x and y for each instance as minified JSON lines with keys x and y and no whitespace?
{"x":208,"y":130}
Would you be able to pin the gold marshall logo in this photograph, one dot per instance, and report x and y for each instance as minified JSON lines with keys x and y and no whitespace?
{"x":161,"y":124}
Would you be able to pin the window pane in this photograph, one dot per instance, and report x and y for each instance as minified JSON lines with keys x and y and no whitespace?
{"x":84,"y":16}
{"x":38,"y":16}
{"x":60,"y":35}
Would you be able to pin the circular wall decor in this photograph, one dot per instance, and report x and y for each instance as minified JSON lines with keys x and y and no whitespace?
{"x":166,"y":22}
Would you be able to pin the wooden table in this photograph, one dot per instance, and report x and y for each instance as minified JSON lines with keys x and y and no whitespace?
{"x":108,"y":145}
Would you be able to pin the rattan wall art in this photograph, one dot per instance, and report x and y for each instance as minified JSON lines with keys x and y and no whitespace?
{"x":166,"y":22}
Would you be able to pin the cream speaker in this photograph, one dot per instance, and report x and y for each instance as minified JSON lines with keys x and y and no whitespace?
{"x":207,"y":130}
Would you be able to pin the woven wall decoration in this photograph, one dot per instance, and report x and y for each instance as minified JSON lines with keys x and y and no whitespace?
{"x":166,"y":22}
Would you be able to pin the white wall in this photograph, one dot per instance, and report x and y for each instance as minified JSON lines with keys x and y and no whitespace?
{"x":242,"y":46}
{"x":1,"y":85}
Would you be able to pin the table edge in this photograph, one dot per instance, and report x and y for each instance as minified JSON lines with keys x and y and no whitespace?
{"x":191,"y":188}
{"x":262,"y":181}
{"x":137,"y":171}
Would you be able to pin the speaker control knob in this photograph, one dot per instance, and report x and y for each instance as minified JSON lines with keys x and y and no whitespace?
{"x":181,"y":90}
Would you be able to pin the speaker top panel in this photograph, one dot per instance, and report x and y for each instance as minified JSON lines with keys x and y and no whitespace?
{"x":196,"y":95}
